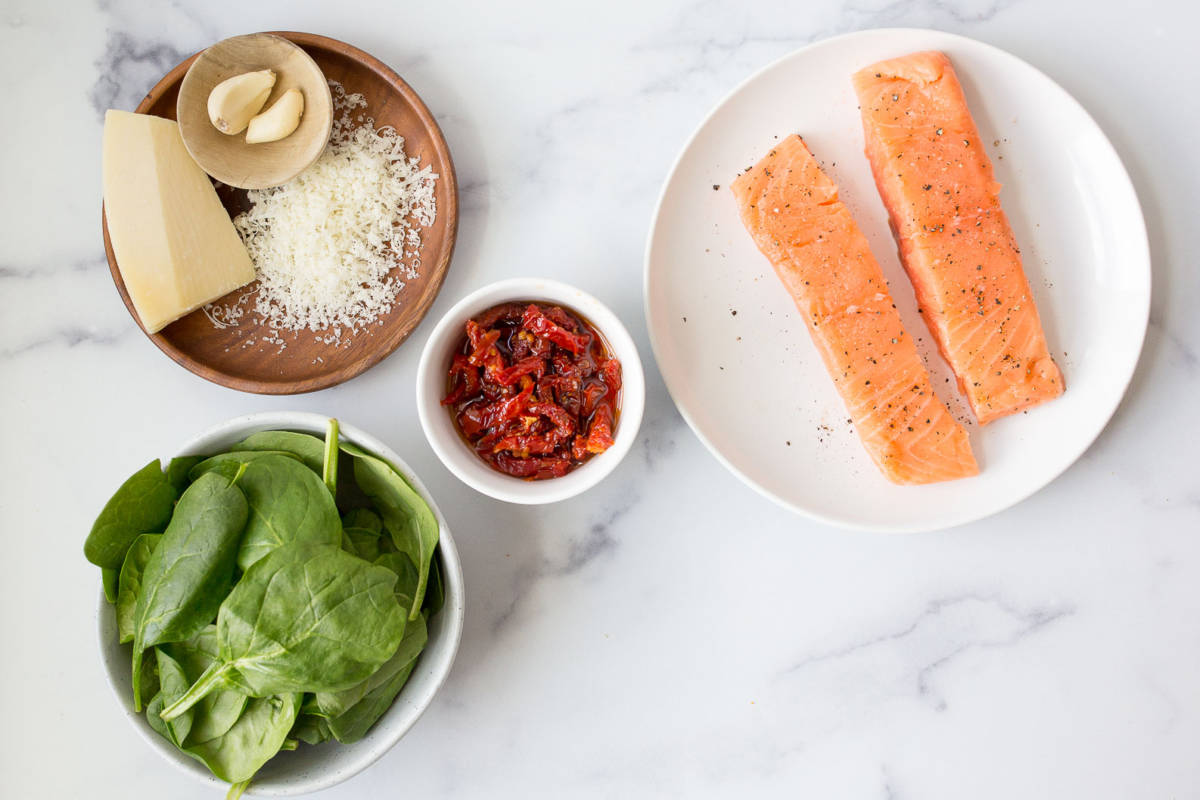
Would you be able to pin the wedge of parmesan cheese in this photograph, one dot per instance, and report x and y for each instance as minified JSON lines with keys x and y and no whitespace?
{"x":175,"y":245}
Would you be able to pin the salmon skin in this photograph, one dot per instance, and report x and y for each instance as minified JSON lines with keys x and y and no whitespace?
{"x":956,"y":244}
{"x":791,"y":209}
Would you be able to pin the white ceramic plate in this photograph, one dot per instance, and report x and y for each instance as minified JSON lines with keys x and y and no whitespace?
{"x":736,"y":356}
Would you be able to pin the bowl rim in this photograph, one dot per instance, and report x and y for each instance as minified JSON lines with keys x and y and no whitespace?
{"x":454,"y":610}
{"x":443,"y":437}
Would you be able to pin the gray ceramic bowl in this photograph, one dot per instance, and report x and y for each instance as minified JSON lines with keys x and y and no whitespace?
{"x":309,"y":769}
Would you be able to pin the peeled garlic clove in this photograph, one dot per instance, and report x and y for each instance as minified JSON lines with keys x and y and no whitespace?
{"x":234,"y":101}
{"x":278,"y":121}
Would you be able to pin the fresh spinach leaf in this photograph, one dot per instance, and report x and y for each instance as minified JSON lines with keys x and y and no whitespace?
{"x":363,"y":518}
{"x":173,"y":682}
{"x":288,"y":503}
{"x":386,"y":545}
{"x":111,"y":581}
{"x":311,"y":729}
{"x":190,"y":571}
{"x":178,"y":469}
{"x":309,"y":449}
{"x":257,"y":735}
{"x":407,"y":577}
{"x":362,"y":533}
{"x":353,"y":723}
{"x":220,"y":709}
{"x":143,"y":504}
{"x":304,"y":618}
{"x":308,"y":705}
{"x":130,"y":583}
{"x":407,"y":517}
{"x":336,"y":704}
{"x":149,"y":684}
{"x":229,"y":464}
{"x":154,"y":716}
{"x":364,"y":543}
{"x":357,"y":722}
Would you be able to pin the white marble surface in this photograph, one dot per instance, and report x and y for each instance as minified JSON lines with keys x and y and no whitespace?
{"x":670,"y":633}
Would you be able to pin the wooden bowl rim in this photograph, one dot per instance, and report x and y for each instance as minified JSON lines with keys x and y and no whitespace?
{"x":395,"y":338}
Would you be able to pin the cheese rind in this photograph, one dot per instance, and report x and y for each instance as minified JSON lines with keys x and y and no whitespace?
{"x":175,"y":245}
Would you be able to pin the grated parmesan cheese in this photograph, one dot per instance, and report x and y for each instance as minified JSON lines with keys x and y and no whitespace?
{"x":325,"y":243}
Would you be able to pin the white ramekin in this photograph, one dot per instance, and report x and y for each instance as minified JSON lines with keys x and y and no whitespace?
{"x":459,"y":458}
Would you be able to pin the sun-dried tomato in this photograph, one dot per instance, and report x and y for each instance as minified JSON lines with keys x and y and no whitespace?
{"x":536,"y":322}
{"x":523,"y":445}
{"x":533,"y":468}
{"x":533,"y":389}
{"x":520,"y":345}
{"x":600,"y":432}
{"x":564,"y":390}
{"x":593,"y":394}
{"x":528,"y":366}
{"x":560,"y":317}
{"x":480,"y":339}
{"x":556,"y":414}
{"x":508,"y":409}
{"x":566,"y":364}
{"x":505,"y":312}
{"x":470,"y":419}
{"x":610,"y":373}
{"x":464,"y":380}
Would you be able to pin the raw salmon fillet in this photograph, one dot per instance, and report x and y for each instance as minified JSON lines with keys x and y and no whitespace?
{"x":955,"y":242}
{"x":792,"y":210}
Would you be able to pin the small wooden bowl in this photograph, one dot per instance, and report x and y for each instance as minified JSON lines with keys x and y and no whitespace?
{"x":240,"y":357}
{"x":227,"y":157}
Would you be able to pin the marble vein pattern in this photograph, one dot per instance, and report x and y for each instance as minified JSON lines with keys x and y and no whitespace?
{"x":669,"y":633}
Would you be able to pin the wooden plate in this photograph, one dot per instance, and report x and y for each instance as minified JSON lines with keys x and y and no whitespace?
{"x":238,"y":356}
